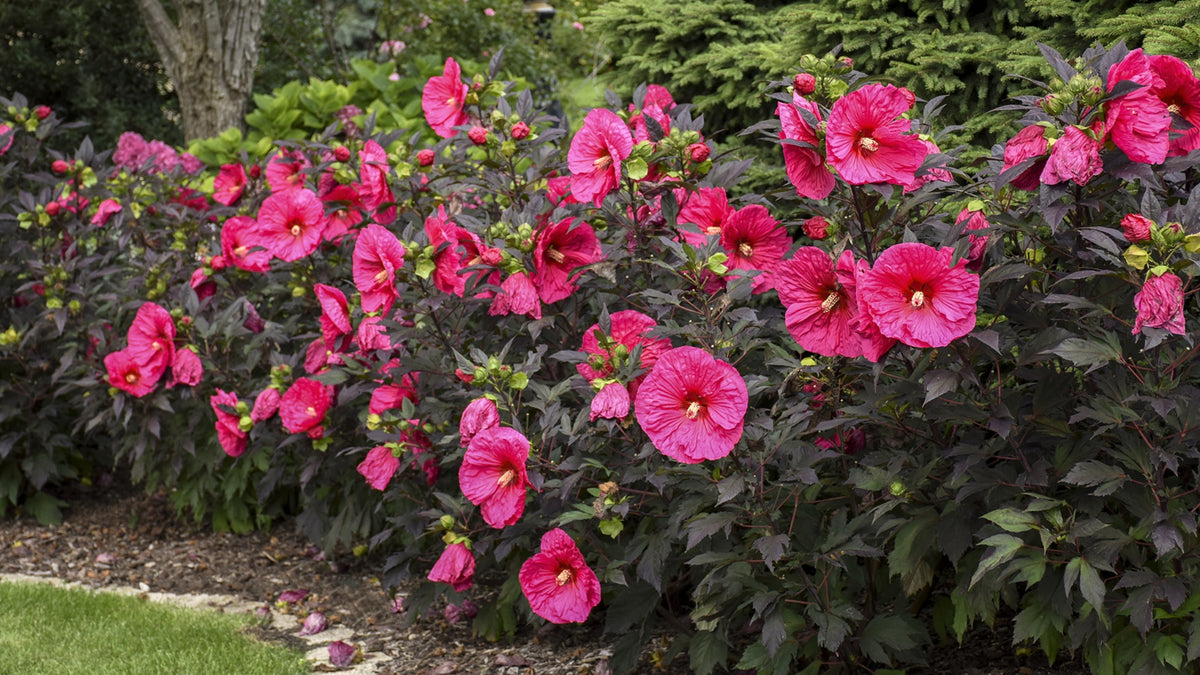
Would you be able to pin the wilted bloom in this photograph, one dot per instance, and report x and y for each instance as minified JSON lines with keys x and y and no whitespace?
{"x":229,"y":184}
{"x":266,"y":404}
{"x":1137,"y":122}
{"x":229,"y":432}
{"x":341,"y":654}
{"x":1180,"y":91}
{"x":304,"y":405}
{"x":374,"y":188}
{"x":1136,"y":227}
{"x":479,"y":414}
{"x":978,"y":243}
{"x":127,"y":373}
{"x":290,"y":224}
{"x":379,"y":466}
{"x":868,"y":141}
{"x":611,"y":402}
{"x":371,"y":334}
{"x":915,"y":295}
{"x":1029,"y":143}
{"x":557,"y":581}
{"x":335,"y":312}
{"x":152,"y":337}
{"x":596,"y":154}
{"x":294,"y":595}
{"x":820,"y":301}
{"x":1160,"y":304}
{"x":493,"y":474}
{"x":239,"y":245}
{"x":314,"y":623}
{"x":805,"y":164}
{"x":816,"y":228}
{"x":755,"y":241}
{"x":444,"y":99}
{"x":692,"y":406}
{"x":108,"y":208}
{"x":561,"y":249}
{"x":519,"y":131}
{"x":517,"y":296}
{"x":186,"y":369}
{"x":377,"y":256}
{"x":1075,"y":157}
{"x":456,"y":567}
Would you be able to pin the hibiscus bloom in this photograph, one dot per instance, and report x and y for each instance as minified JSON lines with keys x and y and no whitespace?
{"x":692,"y":406}
{"x":611,"y":402}
{"x":454,"y":248}
{"x":937,"y":173}
{"x":1029,"y":143}
{"x":1136,"y":227}
{"x":127,"y":373}
{"x":596,"y":154}
{"x":517,"y":295}
{"x":706,"y":208}
{"x":229,"y":431}
{"x":374,"y":188}
{"x":560,"y":250}
{"x":444,"y":100}
{"x":239,"y":245}
{"x":868,"y":141}
{"x":345,"y":211}
{"x":914,"y":295}
{"x":1160,"y":305}
{"x":229,"y":184}
{"x":377,"y":256}
{"x":290,"y":224}
{"x":479,"y":414}
{"x":805,"y":165}
{"x":335,"y":312}
{"x":456,"y":567}
{"x":1180,"y":91}
{"x":557,"y":581}
{"x":152,"y":337}
{"x":107,"y":209}
{"x":493,"y":474}
{"x":303,"y":406}
{"x":1138,"y":121}
{"x":628,"y":330}
{"x":977,"y":243}
{"x":372,"y":335}
{"x":1075,"y":157}
{"x":755,"y":241}
{"x":392,"y":396}
{"x":820,"y":301}
{"x":637,"y":122}
{"x":378,"y":467}
{"x":658,"y":95}
{"x":285,"y":171}
{"x":266,"y":404}
{"x":187,"y":369}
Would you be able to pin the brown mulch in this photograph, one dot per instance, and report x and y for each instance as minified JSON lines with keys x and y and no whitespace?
{"x":120,"y":536}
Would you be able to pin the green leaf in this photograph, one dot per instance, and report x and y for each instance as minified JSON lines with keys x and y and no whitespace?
{"x":704,"y":526}
{"x":612,"y":527}
{"x":1091,"y":585}
{"x":707,"y":651}
{"x":1012,"y":520}
{"x":1091,"y":472}
{"x":1004,"y":547}
{"x":1083,"y":352}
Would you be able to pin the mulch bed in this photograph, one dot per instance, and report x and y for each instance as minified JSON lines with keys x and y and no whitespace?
{"x":119,"y":536}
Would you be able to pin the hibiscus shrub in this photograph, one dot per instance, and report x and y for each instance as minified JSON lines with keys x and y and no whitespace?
{"x":801,"y":431}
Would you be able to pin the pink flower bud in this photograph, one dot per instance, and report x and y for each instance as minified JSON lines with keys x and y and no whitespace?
{"x":425,"y":157}
{"x":519,"y":131}
{"x":255,"y":171}
{"x":804,"y":83}
{"x":698,"y":152}
{"x":478,"y":135}
{"x":60,"y":166}
{"x":42,"y":111}
{"x":491,"y":256}
{"x":53,"y":209}
{"x":341,"y":153}
{"x":816,"y":228}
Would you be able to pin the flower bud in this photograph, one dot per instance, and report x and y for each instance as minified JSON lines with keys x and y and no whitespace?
{"x":1136,"y":228}
{"x":60,"y":166}
{"x":245,"y":423}
{"x":53,"y":209}
{"x":341,"y":153}
{"x":816,"y":228}
{"x":42,"y":111}
{"x":478,"y":135}
{"x":804,"y":83}
{"x":519,"y":131}
{"x":698,"y":152}
{"x":447,"y":522}
{"x":425,"y":157}
{"x":255,"y":171}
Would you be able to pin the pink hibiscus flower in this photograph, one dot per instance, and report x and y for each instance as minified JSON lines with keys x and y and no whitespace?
{"x":517,"y":296}
{"x":7,"y":136}
{"x":345,"y":210}
{"x":187,"y":369}
{"x":914,"y":294}
{"x":493,"y":474}
{"x":152,"y":338}
{"x":229,"y":184}
{"x":444,"y":100}
{"x":1029,"y":143}
{"x":290,"y":224}
{"x":456,"y":567}
{"x":1160,"y":305}
{"x":335,"y":312}
{"x":304,"y":404}
{"x":107,"y":209}
{"x":377,"y":256}
{"x":820,"y":301}
{"x":706,"y":208}
{"x":479,"y":414}
{"x":240,"y":246}
{"x":266,"y":404}
{"x":449,"y":241}
{"x":805,"y":165}
{"x":229,"y":431}
{"x":755,"y":241}
{"x":371,"y":335}
{"x":692,"y":406}
{"x":637,"y":122}
{"x":1136,"y":228}
{"x":1075,"y":157}
{"x":374,"y":190}
{"x":937,"y":173}
{"x":868,"y":141}
{"x":127,"y":373}
{"x":561,"y":249}
{"x":606,"y":352}
{"x":658,"y":95}
{"x":285,"y":171}
{"x":378,"y":467}
{"x":596,"y":154}
{"x":1138,"y":121}
{"x":978,"y":243}
{"x":611,"y":402}
{"x":557,"y":581}
{"x":1180,"y":91}
{"x":874,"y":344}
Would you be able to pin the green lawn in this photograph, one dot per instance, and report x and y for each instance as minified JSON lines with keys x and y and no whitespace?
{"x":63,"y":631}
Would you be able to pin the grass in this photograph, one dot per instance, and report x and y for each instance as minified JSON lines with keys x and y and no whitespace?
{"x":65,"y":631}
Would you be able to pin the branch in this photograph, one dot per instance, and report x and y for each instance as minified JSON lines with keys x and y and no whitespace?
{"x":163,"y":33}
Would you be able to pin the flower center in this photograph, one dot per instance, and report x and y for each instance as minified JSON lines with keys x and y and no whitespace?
{"x":696,"y":404}
{"x":745,"y":249}
{"x":1174,"y":109}
{"x":917,"y":300}
{"x":555,"y":255}
{"x":830,"y":302}
{"x":131,"y":378}
{"x":603,"y":162}
{"x":312,"y":412}
{"x":296,"y":230}
{"x":563,"y":577}
{"x":451,"y":101}
{"x":381,"y":276}
{"x":712,"y":229}
{"x":507,"y":479}
{"x":868,"y":144}
{"x":240,"y":251}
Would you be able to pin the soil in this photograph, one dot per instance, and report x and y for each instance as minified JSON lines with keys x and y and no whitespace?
{"x":119,"y":536}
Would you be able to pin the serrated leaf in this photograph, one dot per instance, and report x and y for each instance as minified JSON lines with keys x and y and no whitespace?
{"x":1091,"y":585}
{"x":1092,"y":472}
{"x":706,"y":652}
{"x":939,"y":382}
{"x":705,"y":526}
{"x":729,"y":487}
{"x":772,"y":548}
{"x":1012,"y":520}
{"x":1004,"y":547}
{"x":1083,"y":352}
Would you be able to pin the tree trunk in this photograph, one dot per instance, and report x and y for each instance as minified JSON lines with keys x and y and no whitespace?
{"x":210,"y":52}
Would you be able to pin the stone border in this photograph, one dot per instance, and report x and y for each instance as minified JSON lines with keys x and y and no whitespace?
{"x":317,"y":652}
